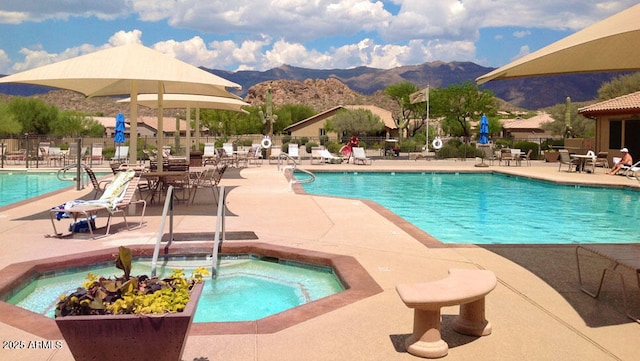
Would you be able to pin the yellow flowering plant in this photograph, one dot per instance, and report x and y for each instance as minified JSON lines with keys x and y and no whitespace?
{"x":129,"y":294}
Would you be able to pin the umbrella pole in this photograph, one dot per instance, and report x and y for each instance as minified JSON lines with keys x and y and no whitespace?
{"x":160,"y":131}
{"x":133,"y":126}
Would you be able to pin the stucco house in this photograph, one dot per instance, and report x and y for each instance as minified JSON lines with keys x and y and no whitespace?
{"x":530,"y":128}
{"x":314,"y":126}
{"x":617,"y":124}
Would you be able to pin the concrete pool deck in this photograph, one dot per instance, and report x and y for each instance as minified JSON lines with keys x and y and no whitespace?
{"x":537,"y":310}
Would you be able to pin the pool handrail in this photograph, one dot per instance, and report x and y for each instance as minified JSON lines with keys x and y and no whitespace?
{"x":168,"y":207}
{"x":219,"y":236}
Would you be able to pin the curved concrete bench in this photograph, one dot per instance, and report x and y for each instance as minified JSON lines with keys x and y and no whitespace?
{"x":464,"y":287}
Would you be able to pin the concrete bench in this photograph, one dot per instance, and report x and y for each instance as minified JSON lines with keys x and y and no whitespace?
{"x":464,"y":287}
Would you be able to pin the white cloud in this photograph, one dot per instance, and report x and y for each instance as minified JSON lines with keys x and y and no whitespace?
{"x":36,"y":11}
{"x":524,"y":50}
{"x":261,"y":34}
{"x":521,"y":34}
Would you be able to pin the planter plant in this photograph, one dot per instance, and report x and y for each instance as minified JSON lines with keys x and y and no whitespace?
{"x":130,"y":317}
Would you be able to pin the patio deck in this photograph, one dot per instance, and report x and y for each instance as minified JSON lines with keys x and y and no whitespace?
{"x":537,"y":310}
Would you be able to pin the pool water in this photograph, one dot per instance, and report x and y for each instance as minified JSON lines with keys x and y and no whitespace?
{"x":246,"y":289}
{"x":16,"y":187}
{"x":493,"y":208}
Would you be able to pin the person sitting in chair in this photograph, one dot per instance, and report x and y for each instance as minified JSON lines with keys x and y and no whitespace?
{"x":626,"y":160}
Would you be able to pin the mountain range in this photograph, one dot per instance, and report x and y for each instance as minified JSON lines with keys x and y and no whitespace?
{"x":527,"y":93}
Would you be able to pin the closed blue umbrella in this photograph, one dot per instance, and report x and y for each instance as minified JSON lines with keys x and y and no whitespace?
{"x":118,"y":137}
{"x":484,"y":130}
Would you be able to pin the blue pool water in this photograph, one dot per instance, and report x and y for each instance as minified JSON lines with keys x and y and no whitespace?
{"x":16,"y":187}
{"x":493,"y":208}
{"x":246,"y":288}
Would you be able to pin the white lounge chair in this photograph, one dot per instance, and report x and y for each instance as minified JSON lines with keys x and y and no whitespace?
{"x":121,"y":154}
{"x":294,"y":152}
{"x":274,"y":154}
{"x":96,"y":153}
{"x":360,"y":157}
{"x":116,"y":198}
{"x":316,"y":157}
{"x":209,"y":155}
{"x":330,"y":158}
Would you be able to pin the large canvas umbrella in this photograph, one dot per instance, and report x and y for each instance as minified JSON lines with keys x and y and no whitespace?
{"x":126,"y":70}
{"x":609,"y":45}
{"x":188,"y":101}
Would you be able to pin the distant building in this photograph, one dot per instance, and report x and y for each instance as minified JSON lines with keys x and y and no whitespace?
{"x":530,"y":128}
{"x":314,"y":126}
{"x":617,"y":124}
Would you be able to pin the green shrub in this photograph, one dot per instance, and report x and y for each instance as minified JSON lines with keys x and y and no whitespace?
{"x":310,"y":145}
{"x":525,"y":146}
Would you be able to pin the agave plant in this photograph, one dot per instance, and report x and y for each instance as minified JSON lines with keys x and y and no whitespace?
{"x":130,"y":294}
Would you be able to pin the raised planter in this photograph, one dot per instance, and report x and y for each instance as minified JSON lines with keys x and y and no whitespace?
{"x":155,"y":337}
{"x":551,"y":157}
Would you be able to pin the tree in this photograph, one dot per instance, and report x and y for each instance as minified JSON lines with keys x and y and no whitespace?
{"x":580,"y":126}
{"x":621,"y":85}
{"x":8,"y":124}
{"x":357,"y":121}
{"x":400,"y":93}
{"x":74,"y":124}
{"x":458,"y":104}
{"x":34,"y":114}
{"x":290,"y":114}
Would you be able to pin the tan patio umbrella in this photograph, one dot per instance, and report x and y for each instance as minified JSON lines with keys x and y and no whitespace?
{"x":188,"y":101}
{"x":609,"y":45}
{"x":128,"y":69}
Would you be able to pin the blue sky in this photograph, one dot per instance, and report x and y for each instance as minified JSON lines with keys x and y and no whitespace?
{"x":321,"y":34}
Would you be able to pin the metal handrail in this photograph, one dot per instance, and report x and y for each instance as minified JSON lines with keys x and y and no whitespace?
{"x":168,"y":208}
{"x":303,"y":181}
{"x":294,"y":168}
{"x":219,"y":236}
{"x":77,"y":167}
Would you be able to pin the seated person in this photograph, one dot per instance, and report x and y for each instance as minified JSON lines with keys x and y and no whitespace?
{"x":626,"y":160}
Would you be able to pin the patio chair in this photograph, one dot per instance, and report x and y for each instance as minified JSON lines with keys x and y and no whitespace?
{"x":209,"y":178}
{"x":96,"y":153}
{"x":526,"y":157}
{"x":254,"y":155}
{"x":633,"y":170}
{"x":316,"y":157}
{"x":225,"y":157}
{"x":43,"y":151}
{"x":98,"y":186}
{"x":274,"y":154}
{"x":360,"y":157}
{"x":116,"y":198}
{"x":565,"y":158}
{"x":327,"y":157}
{"x":505,"y":156}
{"x":72,"y":154}
{"x":294,"y":152}
{"x":55,"y":155}
{"x":602,"y":160}
{"x":209,"y":155}
{"x":618,"y":256}
{"x":121,"y":154}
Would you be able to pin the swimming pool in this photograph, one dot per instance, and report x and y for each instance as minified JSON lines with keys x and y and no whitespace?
{"x":494,"y":208}
{"x":19,"y":186}
{"x":248,"y":288}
